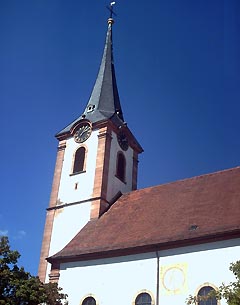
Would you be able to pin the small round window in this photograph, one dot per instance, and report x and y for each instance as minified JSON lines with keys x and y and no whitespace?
{"x":90,"y":108}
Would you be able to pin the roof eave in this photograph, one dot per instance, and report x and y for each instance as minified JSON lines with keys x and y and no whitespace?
{"x":213,"y":237}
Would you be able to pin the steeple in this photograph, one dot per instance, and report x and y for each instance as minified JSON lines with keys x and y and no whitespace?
{"x":104,"y":103}
{"x":97,"y":161}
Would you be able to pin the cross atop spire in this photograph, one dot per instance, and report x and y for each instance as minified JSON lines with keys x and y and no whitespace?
{"x":110,"y":8}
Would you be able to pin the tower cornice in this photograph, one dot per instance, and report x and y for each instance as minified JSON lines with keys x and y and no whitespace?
{"x":97,"y":125}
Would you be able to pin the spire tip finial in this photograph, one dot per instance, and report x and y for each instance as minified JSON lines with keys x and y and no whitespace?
{"x":110,"y":21}
{"x":110,"y":8}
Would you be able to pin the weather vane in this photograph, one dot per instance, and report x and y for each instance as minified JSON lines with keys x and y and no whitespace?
{"x":110,"y":8}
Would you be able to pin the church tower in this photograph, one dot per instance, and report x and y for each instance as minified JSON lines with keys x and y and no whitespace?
{"x":97,"y":161}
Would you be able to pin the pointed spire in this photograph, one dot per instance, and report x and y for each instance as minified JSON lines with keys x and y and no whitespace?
{"x":104,"y":102}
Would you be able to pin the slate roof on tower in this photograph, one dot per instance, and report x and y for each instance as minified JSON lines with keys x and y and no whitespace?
{"x":104,"y":102}
{"x":191,"y":211}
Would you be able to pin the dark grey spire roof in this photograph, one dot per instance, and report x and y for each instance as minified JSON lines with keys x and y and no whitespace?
{"x":104,"y":101}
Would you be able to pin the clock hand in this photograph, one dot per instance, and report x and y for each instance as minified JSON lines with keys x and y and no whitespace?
{"x":84,"y":130}
{"x":83,"y":134}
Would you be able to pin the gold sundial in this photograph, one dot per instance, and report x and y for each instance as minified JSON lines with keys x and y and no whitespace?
{"x":174,"y":278}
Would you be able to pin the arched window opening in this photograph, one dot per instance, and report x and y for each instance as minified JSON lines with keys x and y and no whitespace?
{"x":121,"y":167}
{"x":205,"y":299}
{"x":89,"y":301}
{"x":79,"y":160}
{"x":143,"y":299}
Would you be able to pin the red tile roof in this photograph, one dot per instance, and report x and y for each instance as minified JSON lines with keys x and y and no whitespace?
{"x":196,"y":210}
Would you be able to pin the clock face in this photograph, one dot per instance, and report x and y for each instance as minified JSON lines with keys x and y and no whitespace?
{"x":174,"y":279}
{"x":83,"y":133}
{"x":122,"y":140}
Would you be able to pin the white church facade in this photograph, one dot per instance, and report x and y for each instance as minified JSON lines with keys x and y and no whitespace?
{"x":106,"y":242}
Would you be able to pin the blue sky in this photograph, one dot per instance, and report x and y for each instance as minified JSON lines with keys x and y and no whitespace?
{"x":177,"y":65}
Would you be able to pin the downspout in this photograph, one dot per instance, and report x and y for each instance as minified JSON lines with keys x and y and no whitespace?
{"x":157,"y":292}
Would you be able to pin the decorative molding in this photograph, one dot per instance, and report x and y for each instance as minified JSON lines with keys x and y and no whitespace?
{"x":101,"y":172}
{"x":77,"y":173}
{"x":54,"y":274}
{"x":50,"y":213}
{"x":62,"y":145}
{"x":89,"y":295}
{"x":135,"y":170}
{"x":144,"y":291}
{"x":206,"y":284}
{"x":148,"y":248}
{"x":63,"y":205}
{"x":85,"y":160}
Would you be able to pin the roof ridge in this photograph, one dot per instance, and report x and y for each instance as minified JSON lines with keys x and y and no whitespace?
{"x":184,"y":179}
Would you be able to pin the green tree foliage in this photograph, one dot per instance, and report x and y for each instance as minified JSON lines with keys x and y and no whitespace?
{"x":18,"y":287}
{"x":230,"y":292}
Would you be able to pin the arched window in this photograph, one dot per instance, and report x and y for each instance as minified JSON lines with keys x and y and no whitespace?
{"x":203,"y":292}
{"x":143,"y":299}
{"x":89,"y":301}
{"x":121,"y":167}
{"x":79,"y":160}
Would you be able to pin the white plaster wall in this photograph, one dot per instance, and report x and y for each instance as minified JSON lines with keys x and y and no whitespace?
{"x":69,"y":220}
{"x":110,"y":281}
{"x":119,"y":280}
{"x":207,"y":263}
{"x":67,"y":223}
{"x":67,"y":192}
{"x":114,"y":184}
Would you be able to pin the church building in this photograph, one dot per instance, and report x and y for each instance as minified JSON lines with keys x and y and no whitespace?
{"x":105,"y":242}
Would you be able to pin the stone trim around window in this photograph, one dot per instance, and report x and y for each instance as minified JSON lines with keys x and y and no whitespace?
{"x":144,"y":291}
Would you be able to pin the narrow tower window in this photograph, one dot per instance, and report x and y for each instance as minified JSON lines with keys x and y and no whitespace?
{"x":121,"y":167}
{"x":79,"y":160}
